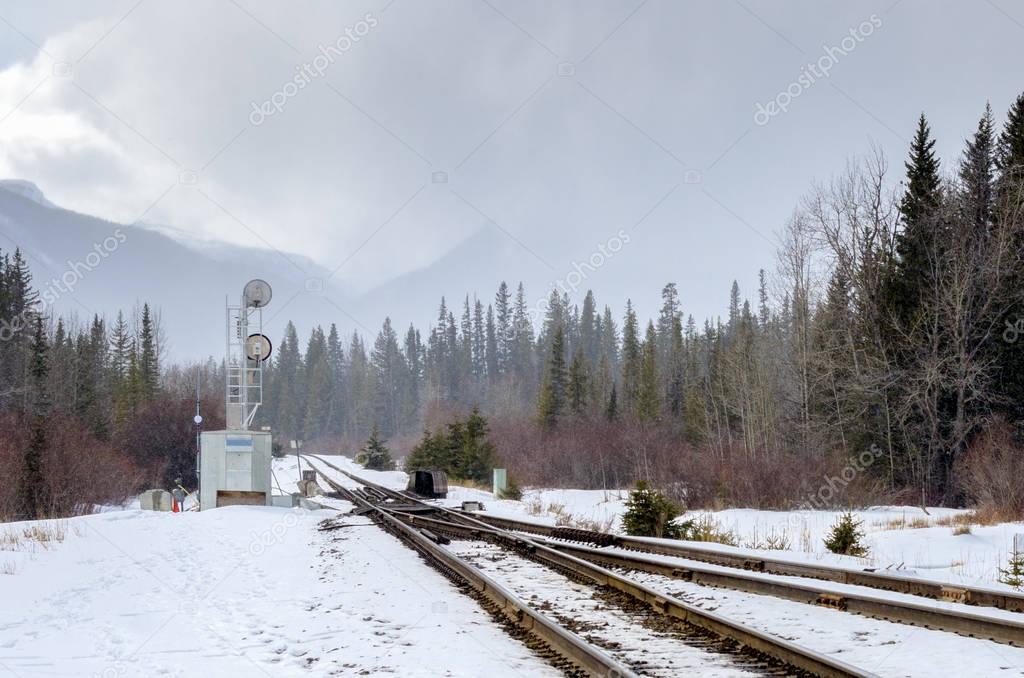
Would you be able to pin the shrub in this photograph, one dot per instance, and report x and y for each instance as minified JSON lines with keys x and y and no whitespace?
{"x":706,"y":528}
{"x":374,"y":455}
{"x":845,"y":538}
{"x":512,"y":490}
{"x":990,"y":472}
{"x":463,"y":450}
{"x":650,"y":514}
{"x":1013,"y":575}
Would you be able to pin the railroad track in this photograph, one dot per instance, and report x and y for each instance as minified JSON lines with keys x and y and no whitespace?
{"x":758,"y":576}
{"x":969,"y":595}
{"x":769,"y":653}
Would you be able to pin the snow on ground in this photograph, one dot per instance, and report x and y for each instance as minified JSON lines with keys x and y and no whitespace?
{"x":238,"y":591}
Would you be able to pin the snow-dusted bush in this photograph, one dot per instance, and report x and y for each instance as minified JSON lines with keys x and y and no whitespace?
{"x":846,"y":537}
{"x":650,"y":514}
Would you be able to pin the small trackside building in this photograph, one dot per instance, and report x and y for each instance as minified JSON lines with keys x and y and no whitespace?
{"x":234,"y":469}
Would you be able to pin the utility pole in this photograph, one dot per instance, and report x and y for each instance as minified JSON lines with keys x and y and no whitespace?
{"x":198,"y":419}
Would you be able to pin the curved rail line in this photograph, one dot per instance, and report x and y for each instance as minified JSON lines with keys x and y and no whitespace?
{"x":778,"y":649}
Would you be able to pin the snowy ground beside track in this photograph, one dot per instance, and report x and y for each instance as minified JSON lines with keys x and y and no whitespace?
{"x":239,"y":591}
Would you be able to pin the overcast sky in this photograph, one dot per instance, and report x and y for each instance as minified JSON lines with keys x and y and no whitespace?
{"x":556,"y":125}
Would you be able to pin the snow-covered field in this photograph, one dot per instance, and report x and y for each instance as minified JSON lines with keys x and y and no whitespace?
{"x":240,"y":591}
{"x":248,"y":591}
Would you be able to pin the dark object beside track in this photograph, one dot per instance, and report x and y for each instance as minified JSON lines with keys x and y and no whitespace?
{"x":429,"y":483}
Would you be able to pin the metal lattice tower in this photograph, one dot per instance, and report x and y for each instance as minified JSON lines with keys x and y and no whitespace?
{"x":244,"y":376}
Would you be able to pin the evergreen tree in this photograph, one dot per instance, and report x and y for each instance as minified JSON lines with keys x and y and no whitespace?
{"x":578,"y":383}
{"x":503,"y":327}
{"x":391,"y":375}
{"x":319,"y":386}
{"x":551,"y":404}
{"x":334,"y":423}
{"x":491,"y":348}
{"x":610,"y":339}
{"x":648,"y":403}
{"x":916,"y":243}
{"x":375,"y":455}
{"x":1008,"y":356}
{"x":289,"y":396}
{"x":763,"y":309}
{"x":590,"y":335}
{"x":414,"y":377}
{"x":20,"y":318}
{"x":632,"y":360}
{"x":479,"y":343}
{"x":362,"y":389}
{"x":92,"y":393}
{"x":120,"y":348}
{"x":127,"y":392}
{"x":521,"y":354}
{"x":667,"y":319}
{"x":734,"y":305}
{"x":63,"y":378}
{"x":977,"y":175}
{"x":1010,"y":153}
{"x":611,"y":410}
{"x":149,"y":367}
{"x":32,"y":481}
{"x":675,"y":371}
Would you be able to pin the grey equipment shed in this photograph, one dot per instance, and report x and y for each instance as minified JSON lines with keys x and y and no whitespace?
{"x":234,"y":469}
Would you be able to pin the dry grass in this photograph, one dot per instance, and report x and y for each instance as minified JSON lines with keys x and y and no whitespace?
{"x":962,"y":523}
{"x":563,"y":518}
{"x":901,"y":523}
{"x":47,"y":533}
{"x":44,"y":534}
{"x":774,"y":540}
{"x":707,"y":528}
{"x":10,"y":541}
{"x":7,"y":567}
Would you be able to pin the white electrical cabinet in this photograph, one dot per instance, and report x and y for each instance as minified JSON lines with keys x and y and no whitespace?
{"x":234,"y":469}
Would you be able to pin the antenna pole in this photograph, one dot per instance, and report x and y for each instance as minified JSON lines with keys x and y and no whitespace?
{"x":197,"y":420}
